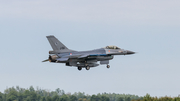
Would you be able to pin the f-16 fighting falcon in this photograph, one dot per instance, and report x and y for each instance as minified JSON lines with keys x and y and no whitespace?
{"x":82,"y":59}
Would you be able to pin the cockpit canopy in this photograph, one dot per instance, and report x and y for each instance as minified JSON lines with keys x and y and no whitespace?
{"x":112,"y":47}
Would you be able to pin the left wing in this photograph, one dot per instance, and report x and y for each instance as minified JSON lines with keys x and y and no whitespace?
{"x":83,"y":56}
{"x":62,"y":59}
{"x":78,"y":56}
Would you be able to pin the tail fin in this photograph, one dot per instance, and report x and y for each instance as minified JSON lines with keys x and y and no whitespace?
{"x":55,"y":43}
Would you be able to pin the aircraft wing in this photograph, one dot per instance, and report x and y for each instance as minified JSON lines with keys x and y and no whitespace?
{"x":88,"y":55}
{"x":79,"y":56}
{"x":83,"y":56}
{"x":74,"y":56}
{"x":62,"y":59}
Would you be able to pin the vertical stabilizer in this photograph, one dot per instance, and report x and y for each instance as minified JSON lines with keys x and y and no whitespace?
{"x":55,"y":43}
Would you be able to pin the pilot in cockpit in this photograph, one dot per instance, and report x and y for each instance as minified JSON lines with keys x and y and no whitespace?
{"x":112,"y":47}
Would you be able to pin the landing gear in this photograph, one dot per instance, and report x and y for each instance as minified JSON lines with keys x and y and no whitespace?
{"x":108,"y":66}
{"x":87,"y":67}
{"x":79,"y":68}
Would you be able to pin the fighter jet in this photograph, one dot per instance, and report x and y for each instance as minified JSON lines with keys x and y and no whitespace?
{"x":82,"y":59}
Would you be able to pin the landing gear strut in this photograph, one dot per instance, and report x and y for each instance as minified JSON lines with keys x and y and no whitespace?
{"x":108,"y":66}
{"x":79,"y":68}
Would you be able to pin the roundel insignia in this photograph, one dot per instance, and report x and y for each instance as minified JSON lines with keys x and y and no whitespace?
{"x":70,"y":53}
{"x":109,"y":51}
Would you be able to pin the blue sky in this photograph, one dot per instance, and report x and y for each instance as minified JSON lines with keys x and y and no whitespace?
{"x":150,"y":28}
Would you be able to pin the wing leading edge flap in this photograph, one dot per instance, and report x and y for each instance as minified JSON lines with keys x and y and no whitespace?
{"x":62,"y":59}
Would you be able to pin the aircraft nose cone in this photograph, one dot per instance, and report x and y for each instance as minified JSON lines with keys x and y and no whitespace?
{"x":130,"y":52}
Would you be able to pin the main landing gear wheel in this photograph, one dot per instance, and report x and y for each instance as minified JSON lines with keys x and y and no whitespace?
{"x":108,"y":66}
{"x":87,"y":68}
{"x":79,"y":68}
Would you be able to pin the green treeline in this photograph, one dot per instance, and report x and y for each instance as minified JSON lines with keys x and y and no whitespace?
{"x":31,"y":94}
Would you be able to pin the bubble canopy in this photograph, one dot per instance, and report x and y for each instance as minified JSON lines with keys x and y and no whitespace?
{"x":112,"y":47}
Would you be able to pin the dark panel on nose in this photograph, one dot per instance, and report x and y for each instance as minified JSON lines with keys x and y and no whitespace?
{"x":130,"y":52}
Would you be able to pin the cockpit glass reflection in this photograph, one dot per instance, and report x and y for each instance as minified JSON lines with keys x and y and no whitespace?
{"x":112,"y":47}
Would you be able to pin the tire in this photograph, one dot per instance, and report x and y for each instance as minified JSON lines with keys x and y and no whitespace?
{"x":108,"y":66}
{"x":87,"y":68}
{"x":79,"y":68}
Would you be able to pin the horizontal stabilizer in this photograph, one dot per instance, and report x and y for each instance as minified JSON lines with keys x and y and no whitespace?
{"x":45,"y":60}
